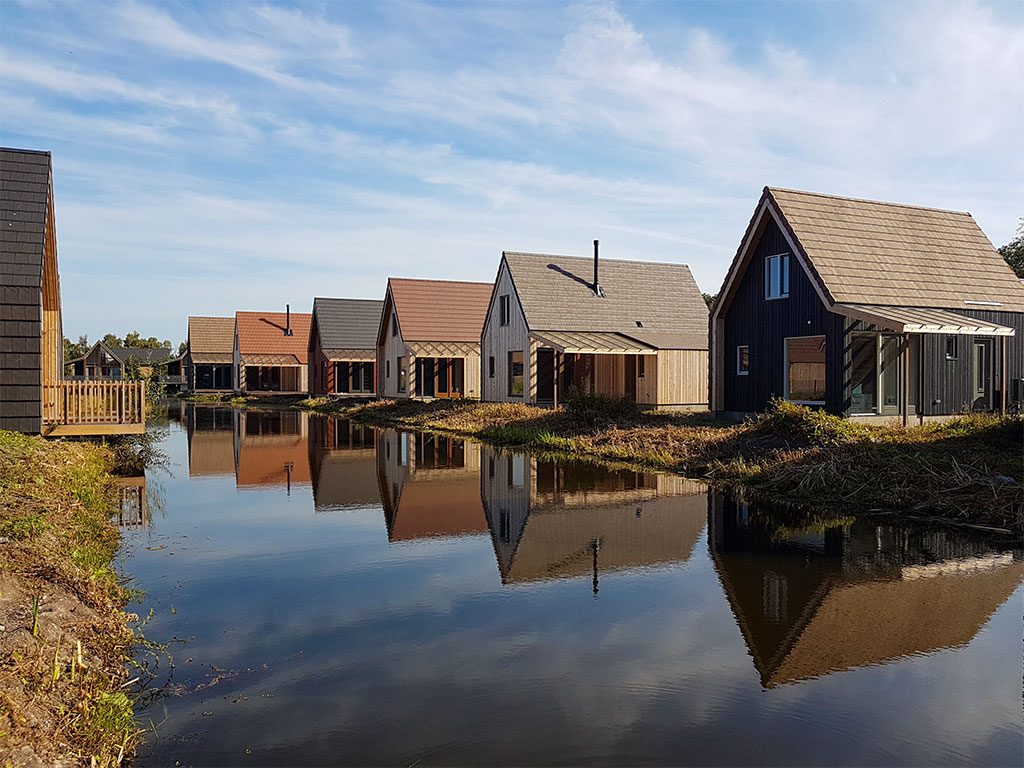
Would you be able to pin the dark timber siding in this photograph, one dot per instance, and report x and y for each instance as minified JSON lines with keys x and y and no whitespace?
{"x":764,"y":325}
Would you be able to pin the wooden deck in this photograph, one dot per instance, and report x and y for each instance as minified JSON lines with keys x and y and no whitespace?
{"x":72,"y":408}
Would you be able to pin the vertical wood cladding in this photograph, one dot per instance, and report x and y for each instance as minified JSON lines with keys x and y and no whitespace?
{"x":764,"y":325}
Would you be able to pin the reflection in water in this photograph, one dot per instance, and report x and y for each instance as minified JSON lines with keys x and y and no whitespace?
{"x":824,"y":599}
{"x":515,"y":610}
{"x":131,"y":502}
{"x":429,"y":486}
{"x":563,"y":519}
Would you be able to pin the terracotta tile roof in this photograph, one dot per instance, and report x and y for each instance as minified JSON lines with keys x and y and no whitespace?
{"x":440,"y":310}
{"x":211,"y":339}
{"x":868,"y":252}
{"x":557,"y":294}
{"x":262,"y":333}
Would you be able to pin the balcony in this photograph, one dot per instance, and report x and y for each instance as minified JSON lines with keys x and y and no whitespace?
{"x":94,"y":408}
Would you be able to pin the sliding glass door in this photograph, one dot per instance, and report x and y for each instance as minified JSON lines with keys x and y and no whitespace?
{"x":876,"y":374}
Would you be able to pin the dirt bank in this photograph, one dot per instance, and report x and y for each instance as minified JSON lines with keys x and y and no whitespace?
{"x":64,"y":637}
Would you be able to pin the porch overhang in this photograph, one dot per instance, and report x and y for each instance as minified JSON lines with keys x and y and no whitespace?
{"x":212,"y":358}
{"x":920,"y":320}
{"x":271,"y":360}
{"x":591,"y":343}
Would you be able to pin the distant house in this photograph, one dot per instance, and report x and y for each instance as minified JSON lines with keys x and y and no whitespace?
{"x":428,"y":342}
{"x":866,"y":309}
{"x":209,"y":357}
{"x":343,"y":347}
{"x":271,"y":351}
{"x":106,"y":363}
{"x":630,"y":329}
{"x":34,"y":395}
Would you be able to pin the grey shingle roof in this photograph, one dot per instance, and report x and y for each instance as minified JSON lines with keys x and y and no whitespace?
{"x":557,"y":295}
{"x":24,"y":195}
{"x":868,"y":252}
{"x":347,"y":323}
{"x":144,"y":355}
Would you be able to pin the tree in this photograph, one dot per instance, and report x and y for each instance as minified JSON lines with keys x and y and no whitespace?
{"x":75,"y":350}
{"x":182,"y":347}
{"x":1013,"y":251}
{"x":111,"y":340}
{"x":709,"y":299}
{"x":134,"y":340}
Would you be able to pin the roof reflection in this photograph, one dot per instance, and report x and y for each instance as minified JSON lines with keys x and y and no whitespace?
{"x":343,"y":464}
{"x":829,"y":597}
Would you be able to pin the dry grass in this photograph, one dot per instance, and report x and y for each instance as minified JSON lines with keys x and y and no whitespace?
{"x":64,"y":637}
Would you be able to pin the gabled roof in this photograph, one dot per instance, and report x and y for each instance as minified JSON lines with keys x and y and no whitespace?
{"x":262,"y":333}
{"x":440,"y":310}
{"x":868,"y":252}
{"x":211,"y":339}
{"x":347,"y":323}
{"x":556,"y":293}
{"x":144,"y":355}
{"x":24,"y":197}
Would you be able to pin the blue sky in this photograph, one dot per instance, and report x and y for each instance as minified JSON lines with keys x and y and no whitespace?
{"x":219,"y":156}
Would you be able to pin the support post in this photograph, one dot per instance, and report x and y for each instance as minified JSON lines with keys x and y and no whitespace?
{"x":1005,"y":376}
{"x":906,"y":379}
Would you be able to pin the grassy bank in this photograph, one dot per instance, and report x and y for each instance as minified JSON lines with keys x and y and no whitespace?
{"x":969,"y":469}
{"x":64,"y":638}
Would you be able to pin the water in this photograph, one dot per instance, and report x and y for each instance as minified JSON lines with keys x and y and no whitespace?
{"x":333,"y":594}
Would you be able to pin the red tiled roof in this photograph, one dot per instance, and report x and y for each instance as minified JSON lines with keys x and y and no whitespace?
{"x":262,"y":333}
{"x":440,"y":310}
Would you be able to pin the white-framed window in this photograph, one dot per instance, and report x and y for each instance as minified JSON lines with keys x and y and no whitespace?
{"x":776,"y":276}
{"x":742,"y":360}
{"x":504,"y":309}
{"x":952,"y":348}
{"x":805,"y":369}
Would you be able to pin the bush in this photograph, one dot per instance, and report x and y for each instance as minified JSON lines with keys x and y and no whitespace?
{"x":589,"y":406}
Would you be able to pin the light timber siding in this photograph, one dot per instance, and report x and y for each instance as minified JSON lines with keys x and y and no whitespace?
{"x":682,"y":378}
{"x":498,"y":340}
{"x":392,"y":348}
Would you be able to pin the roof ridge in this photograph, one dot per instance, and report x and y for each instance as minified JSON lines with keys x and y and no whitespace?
{"x":27,"y":151}
{"x":602,"y":258}
{"x":866,"y":200}
{"x":341,"y":298}
{"x":433,"y":280}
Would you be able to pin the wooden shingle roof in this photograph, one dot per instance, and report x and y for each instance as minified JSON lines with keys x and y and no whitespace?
{"x":262,"y":334}
{"x":868,"y":252}
{"x":211,"y":339}
{"x":657,"y":304}
{"x":24,"y":197}
{"x":347,"y":323}
{"x":440,"y":310}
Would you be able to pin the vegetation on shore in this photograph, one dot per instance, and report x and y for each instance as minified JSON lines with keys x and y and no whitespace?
{"x":64,"y":638}
{"x":969,"y":469}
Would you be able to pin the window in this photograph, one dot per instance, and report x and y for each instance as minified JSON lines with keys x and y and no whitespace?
{"x":952,"y":348}
{"x":394,"y":324}
{"x":805,"y":370}
{"x":776,"y":276}
{"x":505,"y":526}
{"x":641,"y":366}
{"x":401,"y":374}
{"x":505,"y":313}
{"x":515,"y":374}
{"x":863,"y":373}
{"x":742,"y":360}
{"x":490,"y":367}
{"x":387,"y":369}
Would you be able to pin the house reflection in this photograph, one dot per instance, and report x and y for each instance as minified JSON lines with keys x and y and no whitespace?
{"x":817,"y":600}
{"x":211,"y":440}
{"x":271,"y":450}
{"x":429,"y":485}
{"x":132,"y":511}
{"x":343,"y":464}
{"x":551,"y":520}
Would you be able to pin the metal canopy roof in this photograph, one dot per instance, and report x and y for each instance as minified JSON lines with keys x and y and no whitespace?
{"x":591,"y":343}
{"x":917,"y":320}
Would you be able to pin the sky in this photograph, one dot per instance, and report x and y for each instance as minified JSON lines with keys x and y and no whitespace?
{"x":221,"y":156}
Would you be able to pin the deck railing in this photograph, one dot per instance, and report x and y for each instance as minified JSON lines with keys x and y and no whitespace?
{"x":94,"y":403}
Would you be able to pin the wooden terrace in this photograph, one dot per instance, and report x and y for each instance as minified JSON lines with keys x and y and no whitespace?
{"x":74,"y":408}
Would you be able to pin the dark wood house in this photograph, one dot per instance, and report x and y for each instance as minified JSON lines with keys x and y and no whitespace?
{"x":636,"y":330}
{"x":428,"y":342}
{"x":34,"y":395}
{"x":866,"y":309}
{"x":209,"y":354}
{"x":343,"y":347}
{"x":107,"y":363}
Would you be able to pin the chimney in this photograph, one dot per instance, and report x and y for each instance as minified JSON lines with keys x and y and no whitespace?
{"x":287,"y":319}
{"x":597,"y":283}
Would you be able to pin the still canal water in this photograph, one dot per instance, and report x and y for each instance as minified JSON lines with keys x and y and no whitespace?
{"x":333,"y":594}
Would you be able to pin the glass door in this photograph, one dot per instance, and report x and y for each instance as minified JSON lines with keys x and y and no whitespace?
{"x":889,"y":373}
{"x":981,"y":375}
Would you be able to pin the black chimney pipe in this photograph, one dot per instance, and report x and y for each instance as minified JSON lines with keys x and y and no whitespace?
{"x":287,"y":319}
{"x":597,"y":284}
